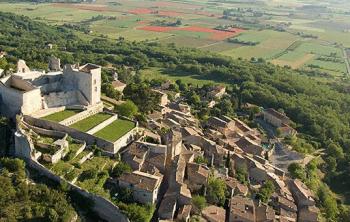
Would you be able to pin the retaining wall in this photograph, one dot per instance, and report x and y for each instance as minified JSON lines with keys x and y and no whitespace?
{"x":83,"y":115}
{"x":102,"y":125}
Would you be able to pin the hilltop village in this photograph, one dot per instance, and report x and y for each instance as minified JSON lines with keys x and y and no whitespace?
{"x":178,"y":167}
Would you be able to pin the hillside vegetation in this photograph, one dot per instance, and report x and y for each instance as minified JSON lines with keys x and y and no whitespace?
{"x":320,"y":110}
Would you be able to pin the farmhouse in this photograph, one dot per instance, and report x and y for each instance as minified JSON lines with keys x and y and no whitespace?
{"x":280,"y":121}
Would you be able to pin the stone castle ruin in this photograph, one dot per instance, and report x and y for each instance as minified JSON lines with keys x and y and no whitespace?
{"x":28,"y":92}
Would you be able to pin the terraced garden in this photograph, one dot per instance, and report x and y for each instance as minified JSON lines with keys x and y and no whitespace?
{"x":90,"y":122}
{"x":115,"y":130}
{"x":60,"y":116}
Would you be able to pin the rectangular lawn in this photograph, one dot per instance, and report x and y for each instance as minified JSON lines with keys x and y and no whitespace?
{"x":115,"y":130}
{"x":90,"y":122}
{"x":60,"y":116}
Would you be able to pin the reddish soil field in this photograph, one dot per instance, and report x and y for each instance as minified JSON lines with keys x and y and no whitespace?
{"x":216,"y":34}
{"x":169,"y":13}
{"x":176,"y":5}
{"x":140,"y":11}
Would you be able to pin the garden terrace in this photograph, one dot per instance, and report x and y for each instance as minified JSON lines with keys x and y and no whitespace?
{"x":115,"y":130}
{"x":90,"y":122}
{"x":49,"y":150}
{"x":60,"y":116}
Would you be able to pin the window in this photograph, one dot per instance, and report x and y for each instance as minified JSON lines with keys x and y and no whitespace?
{"x":95,"y":89}
{"x":95,"y":81}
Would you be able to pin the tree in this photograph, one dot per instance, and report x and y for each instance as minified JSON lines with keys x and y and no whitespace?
{"x":242,"y":174}
{"x":200,"y":160}
{"x":328,"y":202}
{"x":265,"y":192}
{"x":121,"y":168}
{"x":335,"y":151}
{"x":297,"y":171}
{"x":216,"y":191}
{"x":127,"y":109}
{"x":199,"y":202}
{"x":137,"y":213}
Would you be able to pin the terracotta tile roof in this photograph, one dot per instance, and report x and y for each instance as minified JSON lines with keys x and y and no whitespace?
{"x":198,"y":168}
{"x":233,"y":183}
{"x":277,"y":114}
{"x":242,"y":207}
{"x":141,"y":180}
{"x":214,"y":214}
{"x":117,"y":84}
{"x":303,"y":189}
{"x":215,"y":122}
{"x":264,"y":213}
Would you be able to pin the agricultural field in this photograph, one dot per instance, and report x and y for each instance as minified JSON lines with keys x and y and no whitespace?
{"x":285,"y":32}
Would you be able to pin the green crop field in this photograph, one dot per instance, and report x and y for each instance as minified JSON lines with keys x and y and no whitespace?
{"x":90,"y":122}
{"x":60,"y":116}
{"x":157,"y":73}
{"x":115,"y":130}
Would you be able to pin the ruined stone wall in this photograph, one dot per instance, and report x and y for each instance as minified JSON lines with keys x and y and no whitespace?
{"x":11,"y":101}
{"x":32,"y":102}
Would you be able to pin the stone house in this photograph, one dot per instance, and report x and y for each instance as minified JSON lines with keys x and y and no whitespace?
{"x":217,"y":92}
{"x":308,"y":214}
{"x":214,"y":214}
{"x":118,"y":85}
{"x":181,"y":107}
{"x":250,"y":146}
{"x":145,"y":186}
{"x":184,"y":213}
{"x":264,"y":213}
{"x":242,"y":209}
{"x":275,"y":118}
{"x":280,"y":121}
{"x":234,"y":187}
{"x":173,"y":139}
{"x":197,"y":175}
{"x":163,"y":97}
{"x":167,"y":208}
{"x":301,"y":193}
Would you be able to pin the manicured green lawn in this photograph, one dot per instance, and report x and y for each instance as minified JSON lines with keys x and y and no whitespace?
{"x":90,"y":122}
{"x":115,"y":130}
{"x":60,"y":116}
